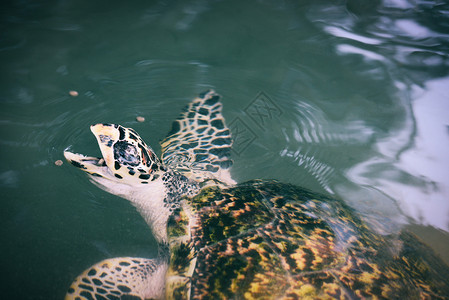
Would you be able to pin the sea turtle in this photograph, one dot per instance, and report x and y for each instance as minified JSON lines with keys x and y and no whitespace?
{"x":261,"y":239}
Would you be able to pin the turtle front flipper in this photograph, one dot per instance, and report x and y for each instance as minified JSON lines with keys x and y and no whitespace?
{"x":199,"y":143}
{"x":121,"y":278}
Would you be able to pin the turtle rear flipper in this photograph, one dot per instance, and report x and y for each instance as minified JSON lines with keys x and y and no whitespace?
{"x":199,"y":143}
{"x":121,"y":278}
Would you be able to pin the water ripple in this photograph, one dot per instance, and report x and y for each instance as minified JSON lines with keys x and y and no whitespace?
{"x":311,"y":141}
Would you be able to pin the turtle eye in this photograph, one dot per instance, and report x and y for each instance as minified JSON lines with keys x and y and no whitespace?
{"x":126,"y":153}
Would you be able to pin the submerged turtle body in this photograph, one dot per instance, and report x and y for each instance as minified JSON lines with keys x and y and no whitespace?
{"x":253,"y":240}
{"x":268,"y":240}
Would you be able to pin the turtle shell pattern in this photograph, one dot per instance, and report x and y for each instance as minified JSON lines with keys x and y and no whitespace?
{"x":268,"y":240}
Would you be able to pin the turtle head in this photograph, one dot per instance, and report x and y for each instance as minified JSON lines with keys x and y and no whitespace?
{"x":130,"y":169}
{"x":126,"y":159}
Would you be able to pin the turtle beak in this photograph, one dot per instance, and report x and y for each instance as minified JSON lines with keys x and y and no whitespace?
{"x":89,"y":164}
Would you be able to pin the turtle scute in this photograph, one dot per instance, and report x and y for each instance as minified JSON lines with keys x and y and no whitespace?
{"x":268,"y":240}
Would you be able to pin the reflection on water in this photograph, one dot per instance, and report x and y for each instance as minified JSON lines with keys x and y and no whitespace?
{"x":360,"y":87}
{"x":418,"y":179}
{"x":411,"y":167}
{"x":408,"y":162}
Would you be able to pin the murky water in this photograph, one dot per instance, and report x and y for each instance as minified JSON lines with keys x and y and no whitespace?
{"x":344,"y":97}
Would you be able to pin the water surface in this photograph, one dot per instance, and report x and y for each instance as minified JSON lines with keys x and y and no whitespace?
{"x":346,"y":98}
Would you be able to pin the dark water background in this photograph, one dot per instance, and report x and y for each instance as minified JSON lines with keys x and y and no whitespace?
{"x":344,"y":97}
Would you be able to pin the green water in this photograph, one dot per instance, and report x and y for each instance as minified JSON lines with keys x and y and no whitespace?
{"x":343,"y":97}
